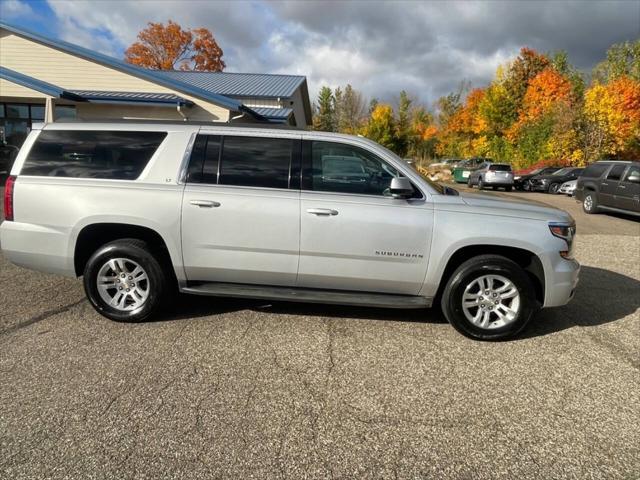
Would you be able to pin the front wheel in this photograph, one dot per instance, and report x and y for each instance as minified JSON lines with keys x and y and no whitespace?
{"x":553,"y":188}
{"x":124,"y":281}
{"x":481,"y":184}
{"x":489,"y":297}
{"x":590,"y":203}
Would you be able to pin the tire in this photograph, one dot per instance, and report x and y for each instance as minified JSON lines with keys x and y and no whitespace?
{"x":526,"y":186}
{"x":508,"y":189}
{"x":480,"y":184}
{"x":469,"y":184}
{"x":590,"y":203}
{"x":496,"y":328}
{"x":553,"y":188}
{"x":118,"y":258}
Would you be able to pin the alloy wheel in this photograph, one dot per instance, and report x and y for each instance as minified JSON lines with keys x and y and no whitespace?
{"x":123,"y":284}
{"x":491,"y":301}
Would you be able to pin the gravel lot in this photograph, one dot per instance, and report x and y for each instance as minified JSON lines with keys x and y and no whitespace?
{"x":243,"y":389}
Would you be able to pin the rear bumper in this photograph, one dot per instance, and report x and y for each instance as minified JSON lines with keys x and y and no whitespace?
{"x":36,"y":247}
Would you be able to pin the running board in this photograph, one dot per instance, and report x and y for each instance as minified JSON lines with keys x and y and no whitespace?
{"x":292,"y":294}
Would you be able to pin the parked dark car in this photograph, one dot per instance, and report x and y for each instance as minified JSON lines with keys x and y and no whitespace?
{"x":521,"y":181}
{"x":551,"y":183}
{"x":610,"y":185}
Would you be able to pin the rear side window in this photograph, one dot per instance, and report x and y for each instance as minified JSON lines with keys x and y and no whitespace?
{"x":92,"y":154}
{"x":616,"y":172}
{"x":256,"y":162}
{"x":500,"y":168}
{"x":205,"y":156}
{"x":595,"y":170}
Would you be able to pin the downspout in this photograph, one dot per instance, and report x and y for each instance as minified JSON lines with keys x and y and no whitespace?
{"x":180,"y":112}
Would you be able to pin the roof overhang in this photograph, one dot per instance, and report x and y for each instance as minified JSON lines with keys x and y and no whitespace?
{"x":150,"y":99}
{"x":38,"y":85}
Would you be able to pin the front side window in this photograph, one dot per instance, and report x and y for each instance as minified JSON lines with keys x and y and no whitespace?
{"x":341,"y":168}
{"x":633,"y":172}
{"x":256,"y":162}
{"x":616,"y":172}
{"x":91,"y":154}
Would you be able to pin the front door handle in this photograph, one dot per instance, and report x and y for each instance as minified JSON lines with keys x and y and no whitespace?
{"x":321,"y":211}
{"x":204,"y":203}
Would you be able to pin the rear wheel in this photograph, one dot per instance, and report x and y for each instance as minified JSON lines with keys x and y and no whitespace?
{"x":480,"y":184}
{"x":590,"y":203}
{"x":553,"y":188}
{"x":489,"y":297}
{"x":469,"y":184}
{"x":125,"y":282}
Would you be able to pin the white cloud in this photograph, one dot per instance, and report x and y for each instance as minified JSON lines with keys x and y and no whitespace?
{"x":12,"y":9}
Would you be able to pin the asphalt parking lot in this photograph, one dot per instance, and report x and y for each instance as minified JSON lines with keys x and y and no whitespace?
{"x":243,"y":389}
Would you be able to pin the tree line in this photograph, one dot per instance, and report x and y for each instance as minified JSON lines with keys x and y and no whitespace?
{"x":538,"y":108}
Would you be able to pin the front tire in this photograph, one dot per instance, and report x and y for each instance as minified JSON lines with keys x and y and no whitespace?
{"x":480,"y":184}
{"x":590,"y":203}
{"x":489,"y":297}
{"x":125,"y":282}
{"x":553,"y":188}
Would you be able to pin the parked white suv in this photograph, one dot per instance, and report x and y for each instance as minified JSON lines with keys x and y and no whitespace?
{"x":144,"y":209}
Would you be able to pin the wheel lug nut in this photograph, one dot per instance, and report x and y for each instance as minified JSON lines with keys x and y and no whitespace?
{"x":486,"y":292}
{"x":494,"y":295}
{"x":497,"y":302}
{"x":123,"y":275}
{"x":117,"y":280}
{"x":127,"y":289}
{"x":120,"y":288}
{"x":133,"y":285}
{"x":130,"y":278}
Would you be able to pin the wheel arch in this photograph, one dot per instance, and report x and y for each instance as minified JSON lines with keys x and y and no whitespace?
{"x":93,"y":236}
{"x":526,"y":259}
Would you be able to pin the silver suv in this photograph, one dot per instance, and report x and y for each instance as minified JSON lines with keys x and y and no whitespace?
{"x":141,"y":210}
{"x":494,"y":175}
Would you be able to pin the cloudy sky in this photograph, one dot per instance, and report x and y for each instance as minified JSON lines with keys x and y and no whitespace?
{"x":426,"y":48}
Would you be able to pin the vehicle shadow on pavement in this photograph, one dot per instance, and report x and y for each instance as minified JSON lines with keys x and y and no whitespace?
{"x":602,"y":296}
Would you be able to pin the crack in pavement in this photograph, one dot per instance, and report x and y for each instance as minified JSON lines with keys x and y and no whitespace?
{"x":42,"y":316}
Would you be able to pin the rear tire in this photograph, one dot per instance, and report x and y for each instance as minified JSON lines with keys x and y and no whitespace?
{"x":590,"y":203}
{"x":125,"y":282}
{"x":461,"y":303}
{"x":480,"y":184}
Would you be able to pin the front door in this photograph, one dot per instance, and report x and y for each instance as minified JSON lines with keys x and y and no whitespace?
{"x":353,"y":235}
{"x":628,"y":192}
{"x":240,"y":218}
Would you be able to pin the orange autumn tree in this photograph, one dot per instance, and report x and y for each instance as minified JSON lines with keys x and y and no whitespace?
{"x":170,"y":47}
{"x":464,"y":134}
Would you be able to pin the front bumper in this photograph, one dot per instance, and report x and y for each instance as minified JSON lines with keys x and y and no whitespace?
{"x":561,"y":281}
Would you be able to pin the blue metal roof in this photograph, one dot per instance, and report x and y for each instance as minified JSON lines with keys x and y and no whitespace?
{"x":132,"y":97}
{"x":240,"y":84}
{"x":151,"y":75}
{"x":277,"y":114}
{"x":37,"y":85}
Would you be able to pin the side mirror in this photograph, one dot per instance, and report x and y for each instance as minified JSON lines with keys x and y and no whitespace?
{"x":633,"y":178}
{"x":401,"y":187}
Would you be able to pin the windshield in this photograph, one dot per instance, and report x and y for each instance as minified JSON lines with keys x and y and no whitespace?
{"x":562,"y":171}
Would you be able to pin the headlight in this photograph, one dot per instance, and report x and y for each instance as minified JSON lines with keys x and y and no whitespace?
{"x":517,"y":177}
{"x":565,"y":231}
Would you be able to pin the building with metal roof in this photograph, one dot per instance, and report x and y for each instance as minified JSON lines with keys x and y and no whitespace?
{"x":43,"y":80}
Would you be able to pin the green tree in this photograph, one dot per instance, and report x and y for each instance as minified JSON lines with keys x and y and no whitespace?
{"x":623,"y":59}
{"x":350,"y":109}
{"x":324,"y":118}
{"x":403,"y":126}
{"x":381,"y":127}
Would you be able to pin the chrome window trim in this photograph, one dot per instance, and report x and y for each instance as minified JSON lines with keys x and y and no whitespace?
{"x":184,"y":165}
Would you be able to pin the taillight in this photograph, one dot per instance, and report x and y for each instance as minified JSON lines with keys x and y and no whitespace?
{"x":8,"y":198}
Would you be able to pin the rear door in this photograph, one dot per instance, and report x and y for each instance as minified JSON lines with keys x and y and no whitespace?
{"x":353,"y":235}
{"x":241,"y":209}
{"x":628,"y":193}
{"x":609,"y":185}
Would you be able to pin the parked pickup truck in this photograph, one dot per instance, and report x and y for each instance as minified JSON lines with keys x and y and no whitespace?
{"x":141,"y":210}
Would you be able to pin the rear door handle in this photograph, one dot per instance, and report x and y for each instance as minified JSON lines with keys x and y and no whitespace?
{"x":204,"y":203}
{"x":321,"y":211}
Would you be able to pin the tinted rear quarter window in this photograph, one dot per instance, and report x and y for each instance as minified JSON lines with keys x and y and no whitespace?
{"x":616,"y":172}
{"x":595,"y":170}
{"x":113,"y":155}
{"x":203,"y":164}
{"x":255,"y":162}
